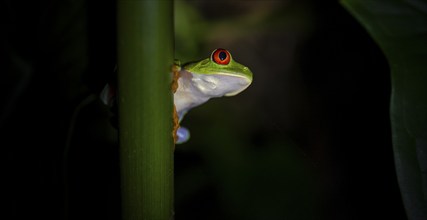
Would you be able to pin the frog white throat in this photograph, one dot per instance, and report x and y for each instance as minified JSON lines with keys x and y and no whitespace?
{"x":195,"y":89}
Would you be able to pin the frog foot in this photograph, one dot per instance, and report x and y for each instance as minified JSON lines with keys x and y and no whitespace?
{"x":183,"y":135}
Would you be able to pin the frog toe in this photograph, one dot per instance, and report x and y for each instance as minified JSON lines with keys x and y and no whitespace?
{"x":183,"y":135}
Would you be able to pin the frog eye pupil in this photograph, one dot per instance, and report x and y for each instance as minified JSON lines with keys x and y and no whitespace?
{"x":222,"y":55}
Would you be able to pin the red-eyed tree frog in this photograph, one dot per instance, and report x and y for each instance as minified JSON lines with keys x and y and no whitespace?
{"x":197,"y":82}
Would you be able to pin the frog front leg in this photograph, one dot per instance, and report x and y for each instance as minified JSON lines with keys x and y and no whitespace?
{"x":174,"y":86}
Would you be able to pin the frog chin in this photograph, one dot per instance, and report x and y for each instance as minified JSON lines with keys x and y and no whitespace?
{"x":219,"y":85}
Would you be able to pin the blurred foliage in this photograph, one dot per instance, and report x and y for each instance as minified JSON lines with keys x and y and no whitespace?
{"x":202,"y":26}
{"x":400,"y":28}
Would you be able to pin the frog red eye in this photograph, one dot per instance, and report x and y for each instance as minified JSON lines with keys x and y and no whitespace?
{"x":221,"y":56}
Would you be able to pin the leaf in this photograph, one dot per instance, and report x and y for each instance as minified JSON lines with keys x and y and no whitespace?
{"x":400,"y":29}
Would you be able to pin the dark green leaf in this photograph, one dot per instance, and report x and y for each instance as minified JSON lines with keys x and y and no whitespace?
{"x":400,"y":29}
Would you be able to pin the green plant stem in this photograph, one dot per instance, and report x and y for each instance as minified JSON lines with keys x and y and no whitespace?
{"x":145,"y":55}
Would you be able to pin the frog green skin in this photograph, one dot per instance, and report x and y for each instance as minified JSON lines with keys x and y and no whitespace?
{"x":216,"y":76}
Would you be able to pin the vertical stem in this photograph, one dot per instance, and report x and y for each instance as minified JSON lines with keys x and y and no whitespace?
{"x":145,"y":55}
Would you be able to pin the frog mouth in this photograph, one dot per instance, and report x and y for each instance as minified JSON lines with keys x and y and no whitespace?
{"x":220,"y":84}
